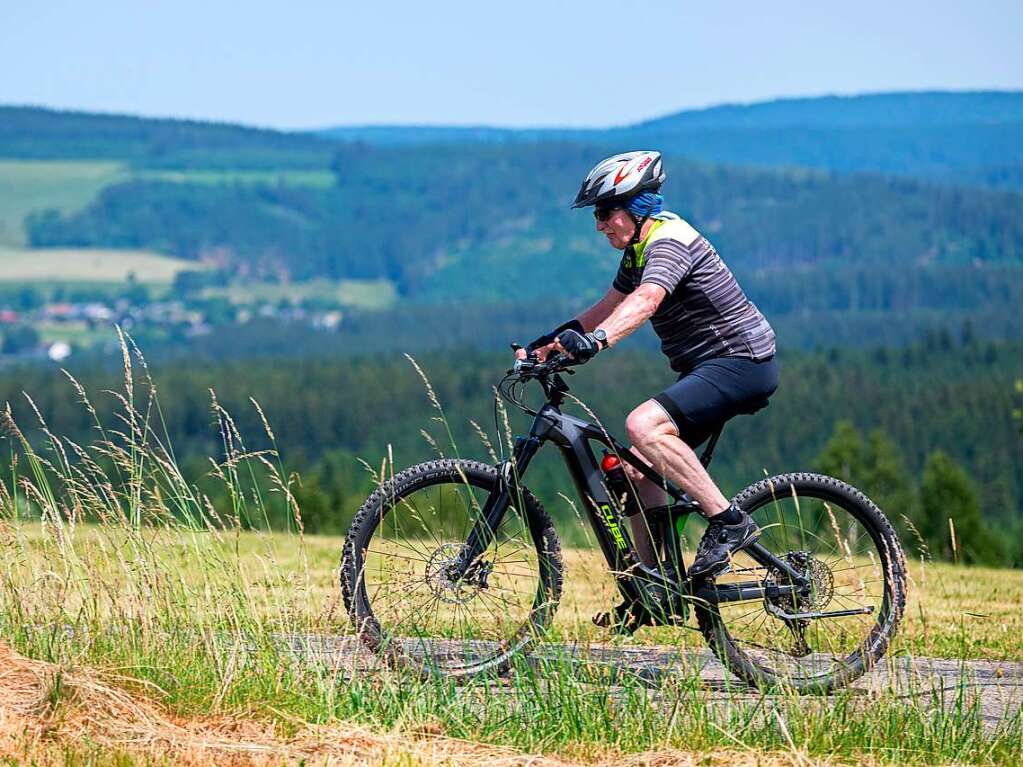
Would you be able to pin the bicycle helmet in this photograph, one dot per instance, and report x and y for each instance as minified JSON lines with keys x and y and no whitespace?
{"x":620,"y":177}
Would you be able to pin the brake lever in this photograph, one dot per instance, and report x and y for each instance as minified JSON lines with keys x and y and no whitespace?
{"x":520,"y":366}
{"x":562,"y":363}
{"x":529,"y":363}
{"x":554,"y":360}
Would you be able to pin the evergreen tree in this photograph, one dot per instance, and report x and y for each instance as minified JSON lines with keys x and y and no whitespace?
{"x":18,"y":339}
{"x":314,"y":505}
{"x":946,"y":492}
{"x":28,"y":298}
{"x":1018,"y":412}
{"x":875,"y":467}
{"x":844,"y":455}
{"x":887,"y":482}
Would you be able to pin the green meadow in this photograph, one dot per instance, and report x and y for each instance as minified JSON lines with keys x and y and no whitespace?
{"x":88,"y":265}
{"x":28,"y":186}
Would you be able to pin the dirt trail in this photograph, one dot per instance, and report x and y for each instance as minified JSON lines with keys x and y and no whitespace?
{"x":53,"y":715}
{"x":930,"y":682}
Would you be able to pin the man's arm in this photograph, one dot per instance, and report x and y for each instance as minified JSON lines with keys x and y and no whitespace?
{"x":592,"y":318}
{"x":668,"y":264}
{"x":630,"y":312}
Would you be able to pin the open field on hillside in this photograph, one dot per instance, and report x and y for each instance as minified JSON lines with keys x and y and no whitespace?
{"x":318,"y":179}
{"x":32,"y":186}
{"x":27,"y":186}
{"x":78,"y":333}
{"x":60,"y":265}
{"x":366,"y":294}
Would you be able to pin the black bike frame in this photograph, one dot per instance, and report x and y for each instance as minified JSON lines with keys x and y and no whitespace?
{"x":573,"y":437}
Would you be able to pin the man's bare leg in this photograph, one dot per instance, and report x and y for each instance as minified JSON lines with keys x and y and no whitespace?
{"x":656,"y":439}
{"x":652,"y":495}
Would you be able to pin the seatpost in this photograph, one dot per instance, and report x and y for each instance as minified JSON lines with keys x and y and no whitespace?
{"x":708,"y":452}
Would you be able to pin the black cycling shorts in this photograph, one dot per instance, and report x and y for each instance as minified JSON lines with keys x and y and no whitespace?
{"x":715,"y":391}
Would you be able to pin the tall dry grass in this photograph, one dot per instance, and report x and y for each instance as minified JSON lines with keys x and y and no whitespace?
{"x":117,"y":571}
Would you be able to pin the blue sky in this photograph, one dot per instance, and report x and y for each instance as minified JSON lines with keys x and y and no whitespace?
{"x":525,"y":63}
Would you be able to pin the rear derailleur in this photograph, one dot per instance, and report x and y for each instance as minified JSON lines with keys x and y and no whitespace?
{"x":798,"y":609}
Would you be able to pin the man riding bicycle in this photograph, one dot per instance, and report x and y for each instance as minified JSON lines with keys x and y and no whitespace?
{"x":714,"y":336}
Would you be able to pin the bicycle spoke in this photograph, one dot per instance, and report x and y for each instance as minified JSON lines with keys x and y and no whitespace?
{"x":840,"y":559}
{"x":420,"y":589}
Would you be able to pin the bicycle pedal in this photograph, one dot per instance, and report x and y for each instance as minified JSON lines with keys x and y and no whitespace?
{"x":725,"y":568}
{"x":624,"y":619}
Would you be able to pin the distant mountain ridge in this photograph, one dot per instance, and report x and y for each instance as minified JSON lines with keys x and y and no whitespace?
{"x":900,"y":108}
{"x":972,"y":137}
{"x":895,"y":109}
{"x":38,"y":133}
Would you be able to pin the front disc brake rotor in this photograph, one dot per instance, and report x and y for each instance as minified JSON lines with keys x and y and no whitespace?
{"x":458,"y":591}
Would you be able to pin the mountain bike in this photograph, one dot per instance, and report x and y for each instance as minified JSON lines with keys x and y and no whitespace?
{"x":453,"y":567}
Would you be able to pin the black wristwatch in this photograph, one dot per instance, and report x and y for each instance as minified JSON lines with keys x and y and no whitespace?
{"x":601,"y":338}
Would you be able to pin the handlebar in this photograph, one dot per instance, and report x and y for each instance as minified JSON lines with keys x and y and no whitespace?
{"x":546,"y":373}
{"x":531,"y":367}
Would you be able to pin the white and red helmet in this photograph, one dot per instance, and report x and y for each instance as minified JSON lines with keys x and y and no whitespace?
{"x":621,"y":177}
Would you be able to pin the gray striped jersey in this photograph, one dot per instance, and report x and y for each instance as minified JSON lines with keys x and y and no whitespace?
{"x":705,"y":314}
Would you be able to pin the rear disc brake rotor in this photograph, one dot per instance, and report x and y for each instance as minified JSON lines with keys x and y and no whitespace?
{"x":818,"y":574}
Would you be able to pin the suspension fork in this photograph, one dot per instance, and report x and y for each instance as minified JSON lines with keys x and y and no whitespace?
{"x":492,"y":514}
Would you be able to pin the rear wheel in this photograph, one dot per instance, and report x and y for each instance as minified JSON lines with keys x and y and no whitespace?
{"x":843,"y":545}
{"x":398,"y":564}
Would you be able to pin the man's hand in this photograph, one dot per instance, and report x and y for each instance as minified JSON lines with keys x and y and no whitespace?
{"x":581,"y":347}
{"x":542,"y":352}
{"x":547,"y":344}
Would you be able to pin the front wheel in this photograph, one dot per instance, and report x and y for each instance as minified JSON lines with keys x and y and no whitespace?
{"x":398,"y":572}
{"x":837,"y":539}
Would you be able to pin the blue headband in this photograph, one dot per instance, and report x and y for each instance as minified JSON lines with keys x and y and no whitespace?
{"x":645,"y":204}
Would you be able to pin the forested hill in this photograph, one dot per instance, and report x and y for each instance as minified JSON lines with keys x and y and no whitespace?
{"x":912,"y":109}
{"x":971,"y":137}
{"x":910,"y":406}
{"x":480,"y":216}
{"x":472,"y":238}
{"x":37,"y":133}
{"x":491,"y":223}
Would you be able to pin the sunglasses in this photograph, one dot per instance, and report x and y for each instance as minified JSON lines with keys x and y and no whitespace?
{"x":603,"y":214}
